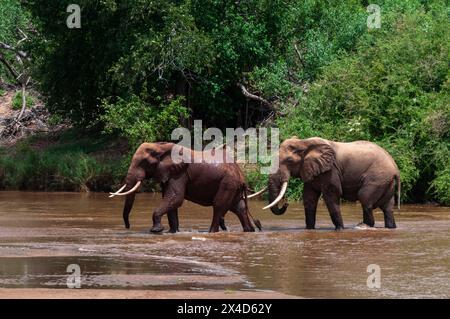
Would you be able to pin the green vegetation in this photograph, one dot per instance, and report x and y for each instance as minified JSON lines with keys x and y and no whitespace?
{"x":138,"y":69}
{"x":199,"y":49}
{"x":12,"y":18}
{"x":138,"y":122}
{"x":17,"y":101}
{"x":71,"y":162}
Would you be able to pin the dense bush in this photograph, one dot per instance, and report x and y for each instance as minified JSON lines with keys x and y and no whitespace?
{"x":197,"y":49}
{"x":139,"y":123}
{"x":123,"y":48}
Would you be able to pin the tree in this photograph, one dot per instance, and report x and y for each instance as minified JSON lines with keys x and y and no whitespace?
{"x":14,"y":60}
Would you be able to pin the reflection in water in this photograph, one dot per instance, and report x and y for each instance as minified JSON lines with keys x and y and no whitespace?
{"x":42,"y":233}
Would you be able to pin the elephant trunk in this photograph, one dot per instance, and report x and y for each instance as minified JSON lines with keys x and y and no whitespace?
{"x":275,"y":187}
{"x":134,"y":179}
{"x":129,"y":201}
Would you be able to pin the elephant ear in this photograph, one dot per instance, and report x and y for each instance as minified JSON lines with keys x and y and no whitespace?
{"x":168,"y":167}
{"x":317,"y":160}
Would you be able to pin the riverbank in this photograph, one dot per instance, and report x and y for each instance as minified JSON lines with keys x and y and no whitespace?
{"x":64,"y":161}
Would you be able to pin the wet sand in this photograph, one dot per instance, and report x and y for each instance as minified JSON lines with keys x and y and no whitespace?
{"x":41,"y":234}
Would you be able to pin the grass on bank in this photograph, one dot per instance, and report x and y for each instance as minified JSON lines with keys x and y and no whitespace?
{"x":69,"y":162}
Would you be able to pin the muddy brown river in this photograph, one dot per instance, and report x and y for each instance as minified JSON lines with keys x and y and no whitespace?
{"x":41,"y":234}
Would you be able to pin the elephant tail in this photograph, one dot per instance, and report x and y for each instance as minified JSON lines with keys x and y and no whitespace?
{"x":244,"y":195}
{"x":397,"y":180}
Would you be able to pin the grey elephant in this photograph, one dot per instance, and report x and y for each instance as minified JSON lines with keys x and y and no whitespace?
{"x":353,"y":171}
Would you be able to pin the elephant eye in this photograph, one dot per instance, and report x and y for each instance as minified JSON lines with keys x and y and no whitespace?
{"x":289,"y":160}
{"x":154,"y":153}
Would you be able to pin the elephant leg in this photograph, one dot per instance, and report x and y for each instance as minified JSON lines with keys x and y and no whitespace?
{"x":331,"y":197}
{"x":241,"y":212}
{"x":218,"y":214}
{"x":386,"y":203}
{"x":172,"y":199}
{"x":222,"y":223}
{"x":368,"y":218}
{"x":388,"y":211}
{"x":221,"y":205}
{"x":310,"y":200}
{"x":172,"y":215}
{"x":368,"y":196}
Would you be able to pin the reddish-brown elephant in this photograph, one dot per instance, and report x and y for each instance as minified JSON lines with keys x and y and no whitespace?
{"x":358,"y":170}
{"x":208,"y":183}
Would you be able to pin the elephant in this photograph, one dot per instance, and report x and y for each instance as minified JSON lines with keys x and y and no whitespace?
{"x":358,"y":170}
{"x":220,"y":184}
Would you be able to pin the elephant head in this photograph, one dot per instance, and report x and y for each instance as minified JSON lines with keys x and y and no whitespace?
{"x":151,"y":160}
{"x":304,"y":159}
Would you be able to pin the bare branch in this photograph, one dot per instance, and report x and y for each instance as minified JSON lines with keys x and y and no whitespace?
{"x":11,"y":48}
{"x":251,"y":96}
{"x":25,"y":37}
{"x":7,"y":46}
{"x":299,"y":54}
{"x":24,"y":102}
{"x":10,"y":68}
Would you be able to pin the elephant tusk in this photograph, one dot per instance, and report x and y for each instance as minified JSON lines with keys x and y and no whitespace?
{"x":121,"y":189}
{"x":257,"y":193}
{"x":128,"y":192}
{"x":280,"y":196}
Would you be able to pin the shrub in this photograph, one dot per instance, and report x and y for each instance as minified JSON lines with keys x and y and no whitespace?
{"x":441,"y":185}
{"x":17,"y":101}
{"x":140,"y":122}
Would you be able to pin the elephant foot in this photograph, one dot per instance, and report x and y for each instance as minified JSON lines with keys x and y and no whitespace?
{"x":222,"y":224}
{"x":249,"y":230}
{"x":172,"y":231}
{"x":369,"y":223}
{"x":391,"y":225}
{"x":340,"y":227}
{"x":157,"y":229}
{"x":258,"y":224}
{"x":310,"y":227}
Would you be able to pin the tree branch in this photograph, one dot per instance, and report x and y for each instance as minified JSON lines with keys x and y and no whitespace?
{"x":25,"y":37}
{"x":251,"y":96}
{"x":24,"y":102}
{"x":11,"y":48}
{"x":10,"y":68}
{"x":299,"y":54}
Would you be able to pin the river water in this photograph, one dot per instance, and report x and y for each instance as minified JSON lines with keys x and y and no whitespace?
{"x":42,"y":233}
